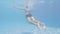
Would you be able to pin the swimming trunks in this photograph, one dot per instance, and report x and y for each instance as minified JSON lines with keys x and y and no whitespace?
{"x":28,"y":15}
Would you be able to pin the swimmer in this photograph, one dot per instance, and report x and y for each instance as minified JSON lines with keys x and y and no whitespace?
{"x":31,"y":18}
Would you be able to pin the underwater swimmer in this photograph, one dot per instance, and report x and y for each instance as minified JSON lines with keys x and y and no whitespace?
{"x":31,"y":19}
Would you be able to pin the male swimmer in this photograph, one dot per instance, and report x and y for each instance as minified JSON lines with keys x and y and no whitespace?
{"x":31,"y":19}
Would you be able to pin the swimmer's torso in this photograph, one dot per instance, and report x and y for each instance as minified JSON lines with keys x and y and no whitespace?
{"x":27,"y":11}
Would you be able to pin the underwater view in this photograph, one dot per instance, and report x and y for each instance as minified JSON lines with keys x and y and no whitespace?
{"x":13,"y":18}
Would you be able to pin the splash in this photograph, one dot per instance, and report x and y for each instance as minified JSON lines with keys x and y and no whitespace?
{"x":30,"y":3}
{"x":49,"y":30}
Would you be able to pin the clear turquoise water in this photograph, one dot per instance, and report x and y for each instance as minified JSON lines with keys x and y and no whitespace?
{"x":13,"y":21}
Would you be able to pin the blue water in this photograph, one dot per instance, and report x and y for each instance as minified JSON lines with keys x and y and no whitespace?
{"x":13,"y":21}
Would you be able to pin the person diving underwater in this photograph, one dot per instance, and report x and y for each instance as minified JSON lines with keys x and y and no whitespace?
{"x":31,"y":18}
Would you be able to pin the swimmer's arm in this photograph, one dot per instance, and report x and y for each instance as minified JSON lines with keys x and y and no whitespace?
{"x":19,"y":8}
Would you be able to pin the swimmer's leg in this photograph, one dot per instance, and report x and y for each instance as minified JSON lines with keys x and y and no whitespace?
{"x":41,"y":26}
{"x":34,"y":21}
{"x":31,"y":19}
{"x":37,"y":23}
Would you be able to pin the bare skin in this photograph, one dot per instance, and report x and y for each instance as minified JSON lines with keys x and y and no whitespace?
{"x":32,"y":19}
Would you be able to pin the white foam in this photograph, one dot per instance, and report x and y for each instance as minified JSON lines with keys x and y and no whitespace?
{"x":48,"y":31}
